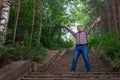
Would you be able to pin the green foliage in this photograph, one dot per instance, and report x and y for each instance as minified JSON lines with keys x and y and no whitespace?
{"x":109,"y":44}
{"x":93,"y":41}
{"x":116,"y":58}
{"x":20,"y":52}
{"x":51,"y":37}
{"x":53,"y":13}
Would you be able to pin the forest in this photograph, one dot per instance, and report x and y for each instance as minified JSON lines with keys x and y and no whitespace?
{"x":34,"y":26}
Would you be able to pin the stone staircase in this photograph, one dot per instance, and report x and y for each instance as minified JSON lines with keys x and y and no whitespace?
{"x":60,"y":70}
{"x":70,"y":76}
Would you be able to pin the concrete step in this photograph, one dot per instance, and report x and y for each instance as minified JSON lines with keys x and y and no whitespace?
{"x":65,"y":77}
{"x":78,"y":73}
{"x":69,"y":76}
{"x":54,"y":79}
{"x":69,"y":79}
{"x":76,"y":76}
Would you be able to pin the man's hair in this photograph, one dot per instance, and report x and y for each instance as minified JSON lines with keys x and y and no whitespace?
{"x":79,"y":26}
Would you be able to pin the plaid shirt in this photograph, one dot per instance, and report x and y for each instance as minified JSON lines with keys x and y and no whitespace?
{"x":81,"y":37}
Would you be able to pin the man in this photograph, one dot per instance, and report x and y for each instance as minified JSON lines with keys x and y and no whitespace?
{"x":81,"y":45}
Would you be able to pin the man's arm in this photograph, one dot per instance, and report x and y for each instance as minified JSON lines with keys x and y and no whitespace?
{"x":69,"y":30}
{"x":93,"y":25}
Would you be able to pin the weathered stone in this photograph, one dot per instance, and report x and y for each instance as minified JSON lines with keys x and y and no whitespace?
{"x":59,"y":69}
{"x":14,"y":70}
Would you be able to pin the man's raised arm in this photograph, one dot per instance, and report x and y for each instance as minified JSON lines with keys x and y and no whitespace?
{"x":93,"y":25}
{"x":69,"y":30}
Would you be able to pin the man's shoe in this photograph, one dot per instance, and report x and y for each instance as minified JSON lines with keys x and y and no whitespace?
{"x":89,"y":72}
{"x":72,"y":72}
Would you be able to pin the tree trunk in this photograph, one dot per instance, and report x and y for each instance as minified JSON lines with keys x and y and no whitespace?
{"x":40,"y":21}
{"x":32,"y":23}
{"x":16,"y":21}
{"x":4,"y":21}
{"x":50,"y":28}
{"x":108,"y":14}
{"x":114,"y":16}
{"x":119,"y":16}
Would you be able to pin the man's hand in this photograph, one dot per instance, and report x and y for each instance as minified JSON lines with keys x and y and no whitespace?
{"x":98,"y":19}
{"x":62,"y":24}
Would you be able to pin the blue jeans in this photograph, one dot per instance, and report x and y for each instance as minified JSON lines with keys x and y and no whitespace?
{"x":83,"y":49}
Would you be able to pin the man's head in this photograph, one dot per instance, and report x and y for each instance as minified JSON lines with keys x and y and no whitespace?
{"x":79,"y":28}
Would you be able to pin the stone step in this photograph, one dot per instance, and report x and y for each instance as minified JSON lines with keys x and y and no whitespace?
{"x":88,"y":76}
{"x":70,"y":76}
{"x":59,"y":70}
{"x":55,"y":79}
{"x":68,"y":79}
{"x":78,"y":73}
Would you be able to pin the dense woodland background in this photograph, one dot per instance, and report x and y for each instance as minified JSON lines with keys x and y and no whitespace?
{"x":34,"y":27}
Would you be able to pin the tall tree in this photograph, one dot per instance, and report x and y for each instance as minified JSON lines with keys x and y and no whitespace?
{"x":40,"y":30}
{"x":114,"y":15}
{"x":33,"y":21}
{"x":16,"y":19}
{"x":108,"y":14}
{"x":118,"y":15}
{"x":4,"y":21}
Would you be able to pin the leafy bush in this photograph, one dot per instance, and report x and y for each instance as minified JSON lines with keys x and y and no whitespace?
{"x":109,"y":44}
{"x":21,"y":52}
{"x":94,"y":40}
